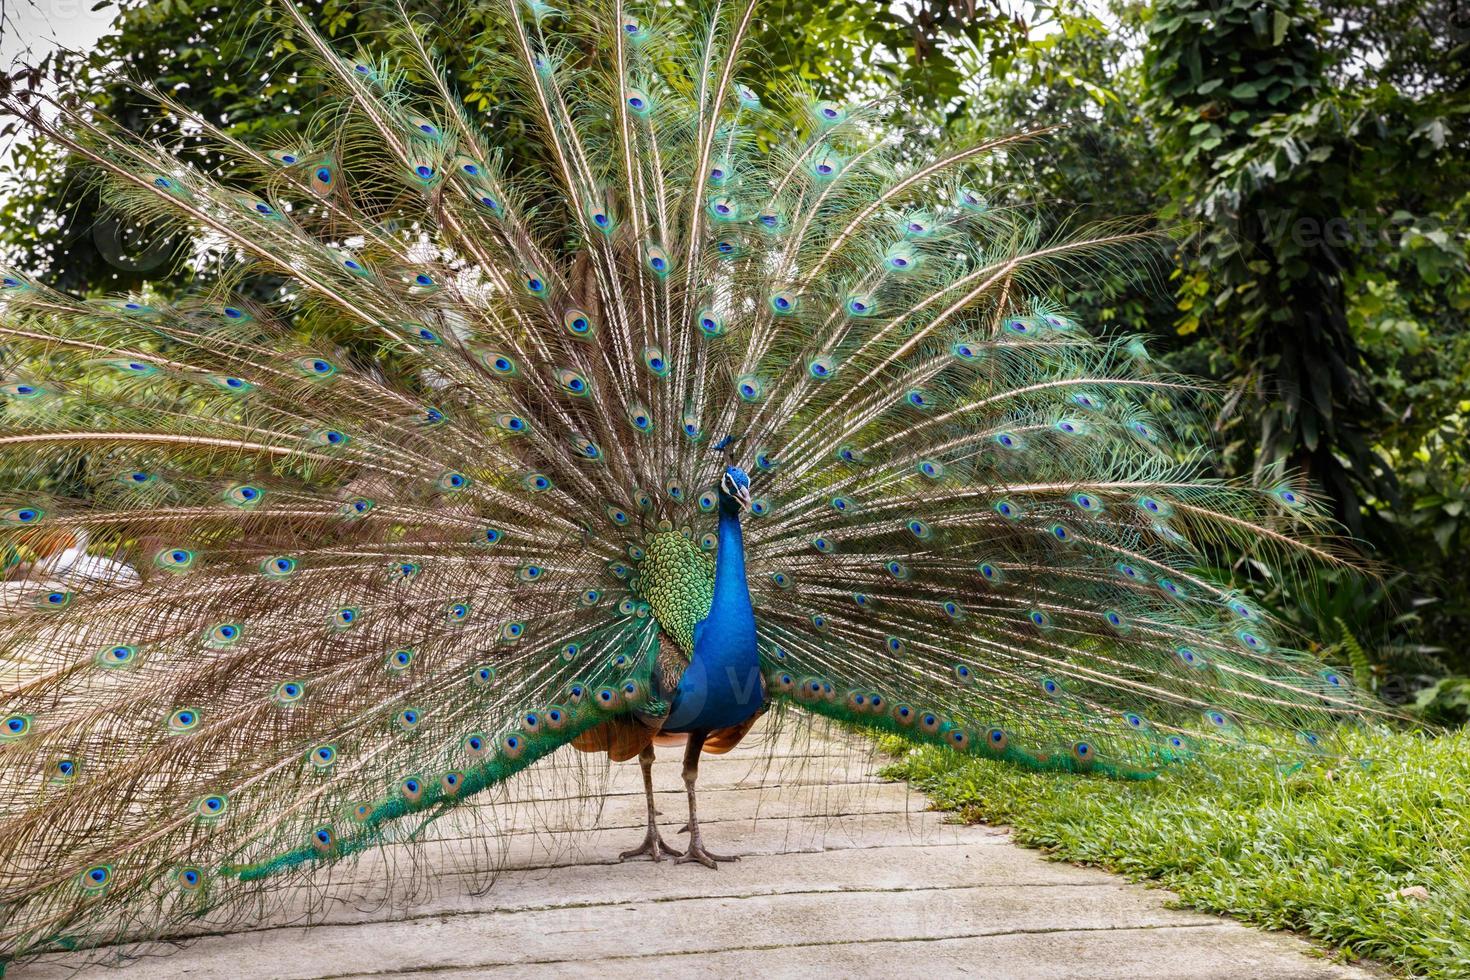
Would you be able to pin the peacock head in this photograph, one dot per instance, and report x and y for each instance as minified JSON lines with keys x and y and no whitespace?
{"x":735,"y":489}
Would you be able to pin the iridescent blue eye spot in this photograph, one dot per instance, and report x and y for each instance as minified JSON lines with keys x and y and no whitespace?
{"x":25,"y":515}
{"x":1050,"y":686}
{"x":424,"y":171}
{"x":636,"y":102}
{"x":725,"y":248}
{"x":829,"y":112}
{"x":324,"y":175}
{"x":162,"y":182}
{"x":263,"y":208}
{"x":472,"y":169}
{"x":534,"y":285}
{"x":234,"y":382}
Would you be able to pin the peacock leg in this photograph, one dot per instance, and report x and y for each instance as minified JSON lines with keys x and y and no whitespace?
{"x":697,"y":850}
{"x":653,"y":845}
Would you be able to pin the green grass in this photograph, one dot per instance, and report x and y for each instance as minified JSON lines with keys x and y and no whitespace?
{"x":1317,"y":850}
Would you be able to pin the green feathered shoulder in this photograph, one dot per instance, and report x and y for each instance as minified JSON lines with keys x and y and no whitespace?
{"x":677,"y":580}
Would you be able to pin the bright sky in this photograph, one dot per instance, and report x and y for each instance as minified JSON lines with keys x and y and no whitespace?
{"x":31,"y":29}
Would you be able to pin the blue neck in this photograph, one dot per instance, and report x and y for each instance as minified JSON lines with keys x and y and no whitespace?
{"x":732,"y":592}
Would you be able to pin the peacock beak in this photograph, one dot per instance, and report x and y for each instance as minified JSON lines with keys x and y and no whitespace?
{"x":742,"y":494}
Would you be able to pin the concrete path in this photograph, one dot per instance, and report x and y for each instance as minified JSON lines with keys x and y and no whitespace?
{"x":843,"y":876}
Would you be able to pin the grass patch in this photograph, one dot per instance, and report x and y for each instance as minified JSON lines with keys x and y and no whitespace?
{"x":1318,"y":850}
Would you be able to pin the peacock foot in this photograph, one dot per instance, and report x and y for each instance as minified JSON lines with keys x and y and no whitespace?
{"x":698,"y":853}
{"x":653,"y":845}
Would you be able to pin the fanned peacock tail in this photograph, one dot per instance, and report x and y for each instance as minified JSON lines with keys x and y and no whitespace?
{"x":306,"y":572}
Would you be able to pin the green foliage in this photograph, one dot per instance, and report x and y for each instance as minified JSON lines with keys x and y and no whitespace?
{"x":1447,"y":702}
{"x":237,"y":66}
{"x":1320,"y":850}
{"x":1241,"y":91}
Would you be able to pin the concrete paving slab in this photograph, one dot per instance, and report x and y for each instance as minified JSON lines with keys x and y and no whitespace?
{"x":843,"y":875}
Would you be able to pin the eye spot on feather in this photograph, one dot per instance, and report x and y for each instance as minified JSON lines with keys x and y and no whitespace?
{"x":1189,"y":657}
{"x":288,"y":693}
{"x":475,"y":745}
{"x":95,"y":879}
{"x":182,"y":721}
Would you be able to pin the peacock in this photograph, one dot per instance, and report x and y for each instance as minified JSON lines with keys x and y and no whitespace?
{"x":723,"y":406}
